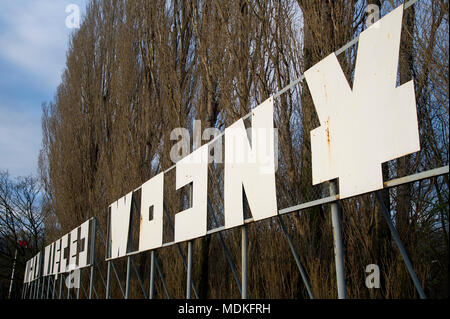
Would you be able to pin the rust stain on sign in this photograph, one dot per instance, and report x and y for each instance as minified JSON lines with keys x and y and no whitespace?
{"x":328,"y":133}
{"x":328,"y":141}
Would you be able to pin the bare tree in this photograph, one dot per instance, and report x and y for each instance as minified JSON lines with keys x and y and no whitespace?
{"x":21,"y":219}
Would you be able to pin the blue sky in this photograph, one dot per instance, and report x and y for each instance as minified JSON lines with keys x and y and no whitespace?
{"x":33,"y":44}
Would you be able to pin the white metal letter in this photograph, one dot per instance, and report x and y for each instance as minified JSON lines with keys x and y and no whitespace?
{"x":151,"y":230}
{"x":191,"y":223}
{"x":370,"y":124}
{"x":120,"y":224}
{"x":250,"y":167}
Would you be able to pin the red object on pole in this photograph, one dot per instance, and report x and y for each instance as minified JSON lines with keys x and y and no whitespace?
{"x":23,"y":243}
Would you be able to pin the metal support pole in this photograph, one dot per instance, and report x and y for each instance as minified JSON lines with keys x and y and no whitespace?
{"x":108,"y":279}
{"x":180,"y":251}
{"x":54,"y":286}
{"x":43,"y":288}
{"x":117,"y":278}
{"x":91,"y":283}
{"x":162,"y":277}
{"x":12,"y":274}
{"x":225,"y":248}
{"x":189,"y":271}
{"x":95,"y":292}
{"x":84,"y":290}
{"x":244,"y":252}
{"x":338,"y":250}
{"x":51,"y":286}
{"x":296,"y":257}
{"x":60,"y":286}
{"x":79,"y":285}
{"x":152,"y":275}
{"x":30,"y":293}
{"x":38,"y":290}
{"x":38,"y":287}
{"x":49,"y":280}
{"x":138,"y":277}
{"x":55,"y":279}
{"x":35,"y":288}
{"x":100,"y":273}
{"x":400,"y":246}
{"x":127,"y":283}
{"x":112,"y":263}
{"x":23,"y":289}
{"x":48,"y":286}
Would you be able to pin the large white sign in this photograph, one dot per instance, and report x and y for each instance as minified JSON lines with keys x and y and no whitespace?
{"x":68,"y":253}
{"x":361,"y":127}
